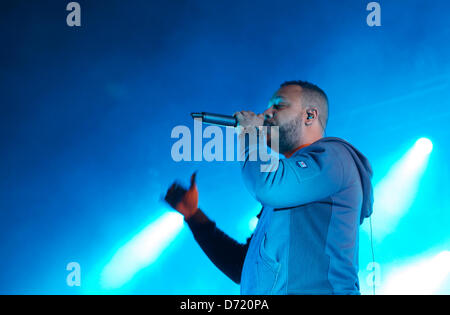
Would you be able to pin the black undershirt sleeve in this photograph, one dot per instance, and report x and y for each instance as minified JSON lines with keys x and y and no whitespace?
{"x":227,"y":254}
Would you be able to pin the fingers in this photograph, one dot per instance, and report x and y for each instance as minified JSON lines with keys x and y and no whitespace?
{"x":244,"y":113}
{"x":175,"y":194}
{"x":176,"y":191}
{"x":243,"y":116}
{"x":194,"y":175}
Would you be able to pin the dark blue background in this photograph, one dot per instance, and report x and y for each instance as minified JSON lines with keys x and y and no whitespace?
{"x":86,"y":116}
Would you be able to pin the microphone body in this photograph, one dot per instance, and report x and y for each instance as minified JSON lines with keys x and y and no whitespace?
{"x":216,"y":119}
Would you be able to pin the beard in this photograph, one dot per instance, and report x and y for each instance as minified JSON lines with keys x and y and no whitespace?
{"x":288,"y":134}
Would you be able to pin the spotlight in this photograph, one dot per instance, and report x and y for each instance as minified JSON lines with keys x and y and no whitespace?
{"x":141,"y":251}
{"x":396,"y":192}
{"x":424,"y":146}
{"x":424,"y":276}
{"x":253,"y":223}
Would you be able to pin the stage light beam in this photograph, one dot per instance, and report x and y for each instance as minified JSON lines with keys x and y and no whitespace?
{"x":141,"y":251}
{"x":425,"y":145}
{"x":425,"y":276}
{"x":396,"y":192}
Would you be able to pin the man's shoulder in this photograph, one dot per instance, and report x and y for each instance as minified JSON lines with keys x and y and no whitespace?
{"x":328,"y":151}
{"x":331,"y":141}
{"x":327,"y":145}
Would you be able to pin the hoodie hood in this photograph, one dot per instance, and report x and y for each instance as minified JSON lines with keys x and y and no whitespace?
{"x":365,"y":173}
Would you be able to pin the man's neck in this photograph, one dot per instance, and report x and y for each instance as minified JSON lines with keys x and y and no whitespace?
{"x":301,"y":145}
{"x":290,"y":153}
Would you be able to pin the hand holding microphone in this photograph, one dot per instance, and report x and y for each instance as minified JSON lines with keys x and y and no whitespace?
{"x":248,"y":119}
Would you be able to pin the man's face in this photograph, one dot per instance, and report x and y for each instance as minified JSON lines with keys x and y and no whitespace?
{"x":285,"y":111}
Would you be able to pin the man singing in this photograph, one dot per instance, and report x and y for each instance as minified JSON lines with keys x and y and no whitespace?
{"x":307,"y":237}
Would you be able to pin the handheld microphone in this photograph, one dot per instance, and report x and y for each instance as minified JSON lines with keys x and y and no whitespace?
{"x":216,"y":119}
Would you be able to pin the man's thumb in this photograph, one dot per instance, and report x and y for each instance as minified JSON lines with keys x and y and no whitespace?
{"x":194,"y":175}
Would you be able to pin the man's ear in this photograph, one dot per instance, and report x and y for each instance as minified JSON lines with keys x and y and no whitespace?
{"x":311,"y":115}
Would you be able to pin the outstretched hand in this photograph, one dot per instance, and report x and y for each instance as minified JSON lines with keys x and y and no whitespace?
{"x":183,"y":200}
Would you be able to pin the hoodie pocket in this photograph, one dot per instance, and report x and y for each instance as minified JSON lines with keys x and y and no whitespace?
{"x":268,"y":270}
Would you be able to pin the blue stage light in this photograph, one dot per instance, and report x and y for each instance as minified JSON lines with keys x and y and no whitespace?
{"x":396,"y":192}
{"x":141,"y":251}
{"x":253,"y":223}
{"x":423,"y":276}
{"x":424,"y":145}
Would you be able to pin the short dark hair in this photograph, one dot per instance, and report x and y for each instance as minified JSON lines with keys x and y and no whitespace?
{"x":312,"y":95}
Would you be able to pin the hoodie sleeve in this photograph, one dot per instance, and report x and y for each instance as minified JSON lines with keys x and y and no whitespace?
{"x":226,"y":254}
{"x":310,"y":175}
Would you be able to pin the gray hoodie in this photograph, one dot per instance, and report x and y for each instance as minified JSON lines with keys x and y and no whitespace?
{"x":307,"y":237}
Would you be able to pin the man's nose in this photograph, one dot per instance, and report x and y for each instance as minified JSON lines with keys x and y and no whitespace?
{"x":268,"y":113}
